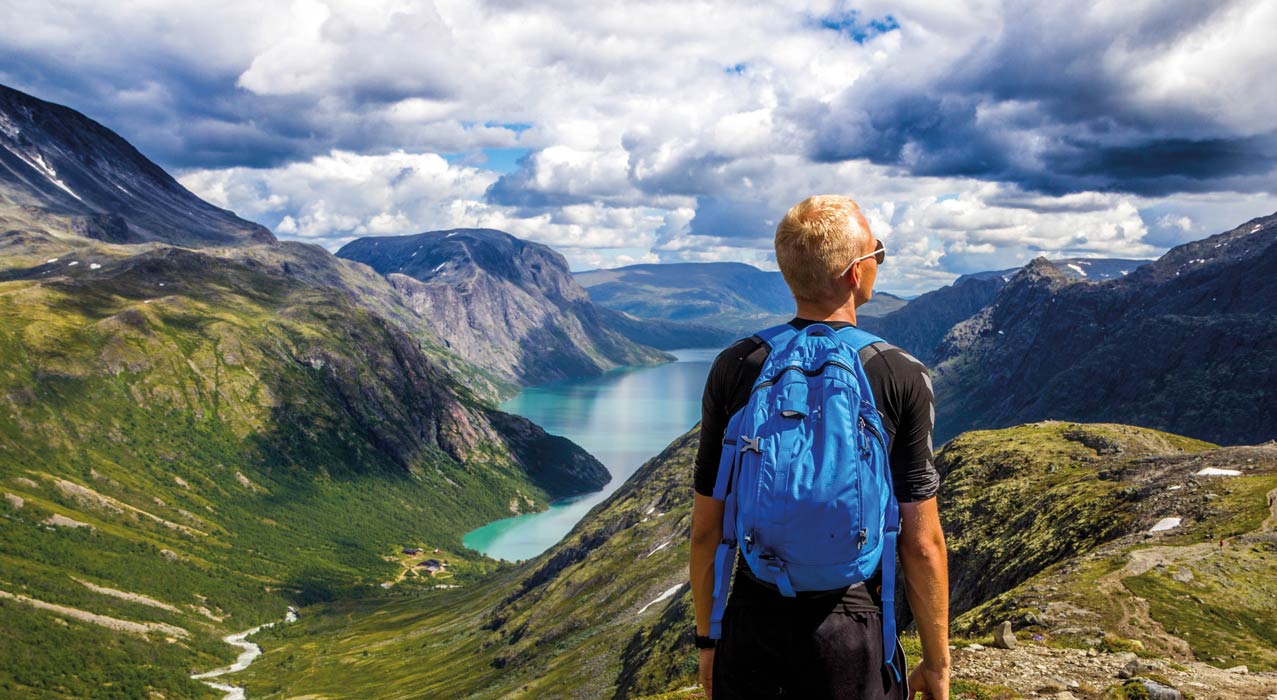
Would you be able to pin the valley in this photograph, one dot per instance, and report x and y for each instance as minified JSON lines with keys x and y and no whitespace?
{"x":202,"y":426}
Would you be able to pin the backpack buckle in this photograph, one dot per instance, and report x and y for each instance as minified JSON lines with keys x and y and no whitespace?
{"x":862,"y":539}
{"x":751,"y":445}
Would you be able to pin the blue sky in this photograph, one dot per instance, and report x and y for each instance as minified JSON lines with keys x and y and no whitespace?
{"x":975,"y":135}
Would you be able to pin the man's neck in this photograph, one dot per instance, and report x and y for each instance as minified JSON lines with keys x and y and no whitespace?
{"x":813,"y":312}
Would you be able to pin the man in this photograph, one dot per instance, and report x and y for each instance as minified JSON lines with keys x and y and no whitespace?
{"x":824,"y":644}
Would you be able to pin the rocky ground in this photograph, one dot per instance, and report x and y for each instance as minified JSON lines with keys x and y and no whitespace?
{"x":1031,"y":670}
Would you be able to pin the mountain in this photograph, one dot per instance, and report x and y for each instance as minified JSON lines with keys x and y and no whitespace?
{"x":57,"y":163}
{"x":194,"y":436}
{"x":504,"y":304}
{"x":1034,"y":514}
{"x":736,"y":298}
{"x":919,"y":326}
{"x":1093,"y":269}
{"x":1051,"y":347}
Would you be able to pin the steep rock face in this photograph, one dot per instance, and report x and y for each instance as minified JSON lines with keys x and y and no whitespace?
{"x":60,"y":163}
{"x":504,"y":304}
{"x":1181,"y":344}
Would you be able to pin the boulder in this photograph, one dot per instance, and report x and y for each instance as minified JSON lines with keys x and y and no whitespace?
{"x":1004,"y":636}
{"x":1157,"y":691}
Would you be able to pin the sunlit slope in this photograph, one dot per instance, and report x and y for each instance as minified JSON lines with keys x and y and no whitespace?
{"x":588,"y":620}
{"x":212,"y":432}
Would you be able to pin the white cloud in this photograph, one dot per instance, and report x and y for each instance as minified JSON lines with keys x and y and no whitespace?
{"x":638,"y":114}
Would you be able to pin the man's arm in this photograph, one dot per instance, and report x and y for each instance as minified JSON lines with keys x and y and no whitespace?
{"x":707,"y":532}
{"x":926,"y":571}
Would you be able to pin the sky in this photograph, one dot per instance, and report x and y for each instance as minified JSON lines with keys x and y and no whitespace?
{"x":974,"y":135}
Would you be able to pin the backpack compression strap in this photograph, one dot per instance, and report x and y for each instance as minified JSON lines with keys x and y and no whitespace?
{"x":860,"y":340}
{"x":725,"y":555}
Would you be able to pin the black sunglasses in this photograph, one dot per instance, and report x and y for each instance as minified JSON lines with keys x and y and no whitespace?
{"x":879,"y":255}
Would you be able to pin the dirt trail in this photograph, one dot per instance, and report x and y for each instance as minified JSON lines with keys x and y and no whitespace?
{"x":1136,"y":621}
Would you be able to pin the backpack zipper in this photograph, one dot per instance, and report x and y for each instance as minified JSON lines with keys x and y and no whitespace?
{"x":794,"y":368}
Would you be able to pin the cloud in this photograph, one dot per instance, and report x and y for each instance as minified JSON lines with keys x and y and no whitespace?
{"x":1150,"y":98}
{"x":973,"y":133}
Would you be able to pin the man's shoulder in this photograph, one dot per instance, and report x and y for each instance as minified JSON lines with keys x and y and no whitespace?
{"x":738,"y":352}
{"x":884,"y":355}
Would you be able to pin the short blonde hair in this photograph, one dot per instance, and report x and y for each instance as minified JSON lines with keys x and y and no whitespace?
{"x":816,"y":240}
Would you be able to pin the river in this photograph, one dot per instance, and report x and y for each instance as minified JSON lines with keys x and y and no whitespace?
{"x":623,"y":418}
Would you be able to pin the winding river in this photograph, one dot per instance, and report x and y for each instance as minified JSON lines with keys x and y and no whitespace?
{"x":623,"y":418}
{"x":249,"y":654}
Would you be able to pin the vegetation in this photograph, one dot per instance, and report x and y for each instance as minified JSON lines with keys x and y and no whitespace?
{"x":223,"y":440}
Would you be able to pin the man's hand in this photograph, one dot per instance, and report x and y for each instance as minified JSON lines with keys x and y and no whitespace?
{"x":932,"y":683}
{"x":707,"y":671}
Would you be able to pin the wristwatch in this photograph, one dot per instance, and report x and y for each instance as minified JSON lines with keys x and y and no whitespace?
{"x":704,"y":642}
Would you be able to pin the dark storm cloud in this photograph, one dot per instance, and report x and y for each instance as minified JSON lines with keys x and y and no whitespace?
{"x":1052,"y":103}
{"x":178,"y":117}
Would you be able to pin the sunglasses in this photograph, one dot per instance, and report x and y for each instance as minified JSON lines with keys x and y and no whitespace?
{"x":879,"y":254}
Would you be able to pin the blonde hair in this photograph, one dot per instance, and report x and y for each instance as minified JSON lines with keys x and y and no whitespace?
{"x":816,"y":240}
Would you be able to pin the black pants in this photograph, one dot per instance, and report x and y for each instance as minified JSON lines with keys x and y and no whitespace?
{"x":807,"y":650}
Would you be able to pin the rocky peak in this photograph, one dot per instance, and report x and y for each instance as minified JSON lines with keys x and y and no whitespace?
{"x":59,"y":163}
{"x":504,"y":304}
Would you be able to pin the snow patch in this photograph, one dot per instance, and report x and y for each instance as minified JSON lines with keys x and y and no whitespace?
{"x":73,"y":262}
{"x":1176,"y":487}
{"x":1215,"y":471}
{"x":51,"y":260}
{"x":94,"y":266}
{"x":1077,"y":269}
{"x":1123,"y":272}
{"x":1257,"y":227}
{"x":437,"y":267}
{"x":36,"y":161}
{"x":659,"y":598}
{"x":1166,"y":524}
{"x":659,"y":547}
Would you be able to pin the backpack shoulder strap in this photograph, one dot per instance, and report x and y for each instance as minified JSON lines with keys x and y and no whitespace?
{"x":858,"y":339}
{"x":777,"y":336}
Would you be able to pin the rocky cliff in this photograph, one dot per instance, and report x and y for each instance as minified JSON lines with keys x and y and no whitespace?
{"x":1181,"y":344}
{"x":504,"y":304}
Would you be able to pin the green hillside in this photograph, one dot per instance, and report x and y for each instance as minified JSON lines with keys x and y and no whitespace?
{"x":192,"y":439}
{"x":1031,"y":512}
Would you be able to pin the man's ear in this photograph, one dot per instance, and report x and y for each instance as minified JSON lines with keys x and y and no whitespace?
{"x":854,"y":275}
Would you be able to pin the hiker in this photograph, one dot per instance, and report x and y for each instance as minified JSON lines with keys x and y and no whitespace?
{"x":773,"y":639}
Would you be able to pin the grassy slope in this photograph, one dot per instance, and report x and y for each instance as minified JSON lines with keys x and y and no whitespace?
{"x":234,"y":438}
{"x":1020,"y":504}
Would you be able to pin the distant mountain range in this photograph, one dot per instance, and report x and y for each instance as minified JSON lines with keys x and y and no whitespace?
{"x":736,"y":298}
{"x":504,"y":304}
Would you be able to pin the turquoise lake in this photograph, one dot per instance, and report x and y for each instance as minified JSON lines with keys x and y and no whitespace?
{"x":623,"y":418}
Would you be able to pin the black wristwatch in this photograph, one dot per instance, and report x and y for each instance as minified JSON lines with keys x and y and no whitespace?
{"x":705,"y":642}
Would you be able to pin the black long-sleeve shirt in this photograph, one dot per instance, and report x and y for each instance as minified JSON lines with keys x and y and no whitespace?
{"x":902,"y":392}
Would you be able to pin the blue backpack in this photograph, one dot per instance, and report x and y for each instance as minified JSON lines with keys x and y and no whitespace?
{"x":804,"y":475}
